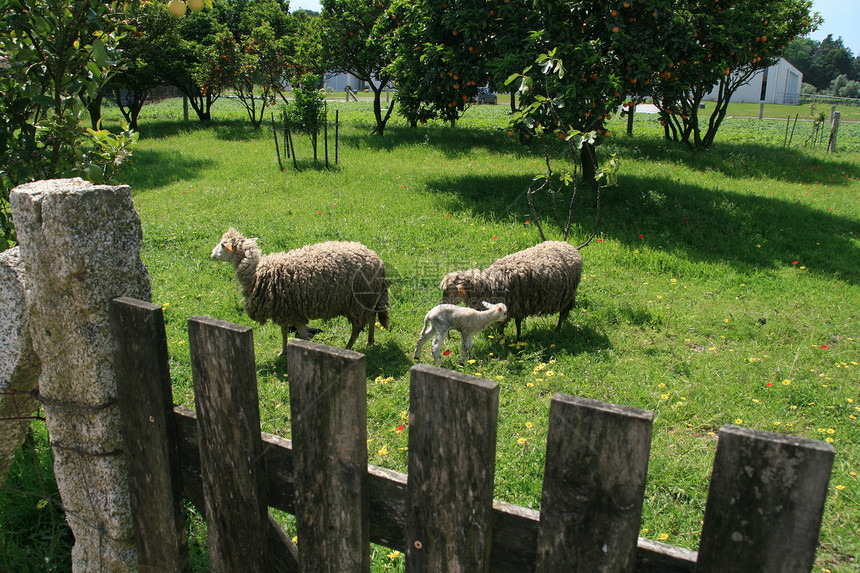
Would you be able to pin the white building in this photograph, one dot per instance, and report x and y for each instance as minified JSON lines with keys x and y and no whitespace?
{"x":339,"y":82}
{"x":778,"y":84}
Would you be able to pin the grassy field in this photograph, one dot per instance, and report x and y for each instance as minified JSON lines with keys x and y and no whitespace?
{"x":723,"y":286}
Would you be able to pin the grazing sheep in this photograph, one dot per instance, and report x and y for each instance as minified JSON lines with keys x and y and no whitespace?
{"x":539,"y":280}
{"x":468,"y":321}
{"x":315,"y":281}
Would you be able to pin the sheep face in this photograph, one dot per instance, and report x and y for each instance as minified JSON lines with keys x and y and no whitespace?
{"x":231,"y":243}
{"x":222,"y":252}
{"x":500,"y":310}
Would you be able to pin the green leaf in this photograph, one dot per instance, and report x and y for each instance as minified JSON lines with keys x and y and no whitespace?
{"x":546,"y":67}
{"x":100,"y":53}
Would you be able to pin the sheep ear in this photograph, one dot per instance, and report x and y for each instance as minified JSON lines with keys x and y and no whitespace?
{"x":486,"y":304}
{"x":461,"y":289}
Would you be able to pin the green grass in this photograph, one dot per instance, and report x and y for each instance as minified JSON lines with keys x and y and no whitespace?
{"x":33,"y":531}
{"x":723,"y":287}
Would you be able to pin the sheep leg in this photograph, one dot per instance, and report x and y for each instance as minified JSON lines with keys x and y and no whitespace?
{"x":437,"y":345}
{"x":519,"y":322}
{"x":562,"y":316}
{"x":356,"y":330}
{"x":371,"y":329}
{"x":466,"y":347}
{"x":301,"y":331}
{"x":425,"y":336}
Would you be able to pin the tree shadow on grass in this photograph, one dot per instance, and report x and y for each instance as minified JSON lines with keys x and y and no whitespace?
{"x":452,"y":142}
{"x":149,"y":169}
{"x":224,"y":129}
{"x":382,"y":356}
{"x":572,"y":339}
{"x":699,"y":224}
{"x":741,"y":160}
{"x":386,"y":356}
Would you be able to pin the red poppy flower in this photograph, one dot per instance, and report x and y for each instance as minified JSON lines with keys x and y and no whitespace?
{"x":447,"y":352}
{"x":824,"y":347}
{"x":400,"y":428}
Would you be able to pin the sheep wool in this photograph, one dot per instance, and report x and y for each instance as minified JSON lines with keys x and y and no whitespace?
{"x":540,"y":280}
{"x":319,"y":281}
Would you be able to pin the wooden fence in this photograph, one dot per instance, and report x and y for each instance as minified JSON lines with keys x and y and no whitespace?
{"x":763,"y":511}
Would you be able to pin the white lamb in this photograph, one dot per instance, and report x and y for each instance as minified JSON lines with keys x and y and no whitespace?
{"x":468,"y":321}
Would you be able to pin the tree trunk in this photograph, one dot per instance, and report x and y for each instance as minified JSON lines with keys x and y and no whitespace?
{"x":136,"y":106}
{"x":377,"y":106}
{"x":630,"y":110}
{"x":95,"y":109}
{"x":589,"y":162}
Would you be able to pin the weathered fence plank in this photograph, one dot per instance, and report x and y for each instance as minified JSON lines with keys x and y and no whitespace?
{"x":453,"y":420}
{"x":765,"y":502}
{"x":328,"y":398}
{"x":515,"y":529}
{"x":594,"y":483}
{"x":225,"y":387}
{"x":145,"y":399}
{"x":282,"y":551}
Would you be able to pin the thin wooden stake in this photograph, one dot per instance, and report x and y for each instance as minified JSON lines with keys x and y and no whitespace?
{"x":790,"y":137}
{"x":834,"y":133}
{"x":277,"y":149}
{"x":336,"y":133}
{"x":290,"y":139}
{"x":325,"y":136}
{"x":286,"y":139}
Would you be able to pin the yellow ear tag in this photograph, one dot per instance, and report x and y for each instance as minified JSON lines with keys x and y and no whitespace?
{"x":228,"y":247}
{"x":461,"y":289}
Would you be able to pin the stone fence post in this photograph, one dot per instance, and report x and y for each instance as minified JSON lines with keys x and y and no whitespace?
{"x":19,"y":365}
{"x":80,"y":244}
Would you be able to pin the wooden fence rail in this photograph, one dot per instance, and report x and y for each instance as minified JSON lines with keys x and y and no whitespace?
{"x":763,"y":512}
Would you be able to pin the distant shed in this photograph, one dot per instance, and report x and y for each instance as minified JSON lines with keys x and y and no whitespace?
{"x":778,"y":84}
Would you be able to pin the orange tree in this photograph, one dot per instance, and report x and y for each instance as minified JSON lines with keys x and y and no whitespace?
{"x":720,"y":44}
{"x":438,"y":50}
{"x":145,"y":57}
{"x":57,"y":56}
{"x":594,"y":54}
{"x":186,"y":65}
{"x":249,"y":55}
{"x":354,"y":46}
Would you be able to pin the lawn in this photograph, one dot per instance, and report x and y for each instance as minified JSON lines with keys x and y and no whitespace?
{"x":723,"y":287}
